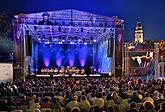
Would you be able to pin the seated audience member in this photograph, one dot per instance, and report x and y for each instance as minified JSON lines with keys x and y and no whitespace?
{"x":92,"y":98}
{"x":31,"y":102}
{"x":115,"y":97}
{"x":135,"y":98}
{"x":123,"y":103}
{"x":109,"y":101}
{"x":73,"y":103}
{"x":155,"y":95}
{"x":162,"y":107}
{"x":37,"y":110}
{"x":84,"y":104}
{"x":36,"y":105}
{"x":148,"y":106}
{"x":132,"y":107}
{"x":95,"y":109}
{"x":148,"y":98}
{"x":100,"y":101}
{"x":46,"y":103}
{"x":110,"y":109}
{"x":75,"y":109}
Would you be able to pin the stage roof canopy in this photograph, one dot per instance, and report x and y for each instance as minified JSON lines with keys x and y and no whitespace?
{"x":69,"y":26}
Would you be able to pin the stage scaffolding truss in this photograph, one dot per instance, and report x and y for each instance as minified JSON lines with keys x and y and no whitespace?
{"x":64,"y":27}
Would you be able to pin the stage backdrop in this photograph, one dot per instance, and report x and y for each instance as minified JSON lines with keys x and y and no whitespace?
{"x":56,"y":55}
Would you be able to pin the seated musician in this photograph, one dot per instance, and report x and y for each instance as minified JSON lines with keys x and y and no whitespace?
{"x":82,"y":71}
{"x":46,"y":70}
{"x":51,"y":71}
{"x":67,"y":70}
{"x":62,"y":71}
{"x":55,"y":71}
{"x":77,"y":71}
{"x":42,"y":71}
{"x":73,"y":70}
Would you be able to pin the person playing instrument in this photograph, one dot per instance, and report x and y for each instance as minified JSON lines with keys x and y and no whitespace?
{"x":55,"y":71}
{"x":82,"y":71}
{"x":77,"y":71}
{"x":67,"y":70}
{"x":62,"y":71}
{"x":42,"y":71}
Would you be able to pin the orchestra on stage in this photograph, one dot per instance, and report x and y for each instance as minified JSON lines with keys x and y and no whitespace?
{"x":63,"y":71}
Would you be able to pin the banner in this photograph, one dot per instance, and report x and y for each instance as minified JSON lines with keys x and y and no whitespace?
{"x":6,"y":72}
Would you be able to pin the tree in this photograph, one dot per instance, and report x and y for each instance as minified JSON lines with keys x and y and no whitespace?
{"x":5,"y":26}
{"x":6,"y":44}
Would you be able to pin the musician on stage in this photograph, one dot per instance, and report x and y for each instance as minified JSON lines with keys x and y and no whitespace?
{"x":55,"y":71}
{"x":77,"y":71}
{"x":92,"y":70}
{"x":67,"y":71}
{"x":42,"y":71}
{"x":82,"y":71}
{"x":62,"y":71}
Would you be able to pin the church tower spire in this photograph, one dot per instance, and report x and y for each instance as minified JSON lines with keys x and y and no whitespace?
{"x":139,"y":32}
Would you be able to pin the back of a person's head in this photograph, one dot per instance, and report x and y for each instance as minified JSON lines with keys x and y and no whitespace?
{"x":123,"y":95}
{"x":147,"y":94}
{"x":132,"y":105}
{"x":83,"y":98}
{"x":149,"y":105}
{"x":93,"y":94}
{"x":37,"y":110}
{"x":108,"y":97}
{"x":135,"y":93}
{"x":36,"y":100}
{"x":162,"y":106}
{"x":99,"y":95}
{"x":161,"y":96}
{"x":95,"y":109}
{"x":47,"y":111}
{"x":75,"y":98}
{"x":46,"y":99}
{"x":75,"y":109}
{"x":110,"y":108}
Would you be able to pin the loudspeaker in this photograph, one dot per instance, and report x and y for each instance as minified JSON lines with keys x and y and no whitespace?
{"x":110,"y":47}
{"x":28,"y":40}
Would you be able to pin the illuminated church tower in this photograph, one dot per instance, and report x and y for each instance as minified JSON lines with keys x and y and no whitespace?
{"x":139,"y":32}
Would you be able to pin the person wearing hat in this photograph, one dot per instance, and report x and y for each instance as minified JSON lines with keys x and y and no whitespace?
{"x":45,"y":20}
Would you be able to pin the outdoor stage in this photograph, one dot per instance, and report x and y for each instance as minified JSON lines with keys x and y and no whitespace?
{"x":58,"y":39}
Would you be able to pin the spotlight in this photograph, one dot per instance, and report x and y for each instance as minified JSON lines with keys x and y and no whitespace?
{"x":72,"y":43}
{"x":85,"y":43}
{"x":79,"y":40}
{"x":94,"y":40}
{"x":55,"y":39}
{"x":60,"y":42}
{"x":47,"y":42}
{"x":39,"y":39}
{"x":63,"y":40}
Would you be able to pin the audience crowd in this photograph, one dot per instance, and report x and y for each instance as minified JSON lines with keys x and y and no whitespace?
{"x":99,"y":94}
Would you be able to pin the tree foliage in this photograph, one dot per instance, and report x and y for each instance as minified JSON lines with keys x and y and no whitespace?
{"x":6,"y":44}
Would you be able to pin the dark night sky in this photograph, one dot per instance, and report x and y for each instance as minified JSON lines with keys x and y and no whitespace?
{"x":151,"y":12}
